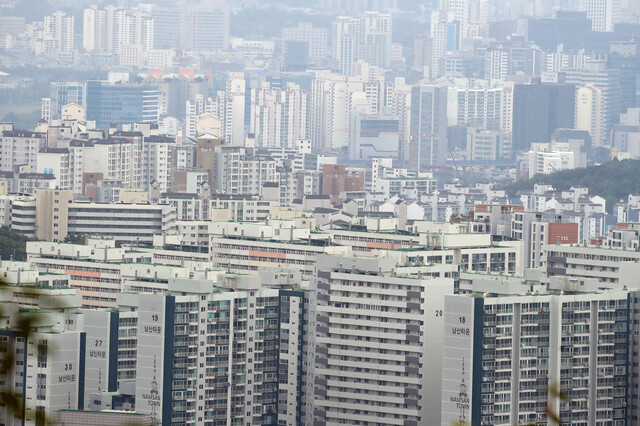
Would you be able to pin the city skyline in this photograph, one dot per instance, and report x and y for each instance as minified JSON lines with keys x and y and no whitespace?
{"x":363,"y":212}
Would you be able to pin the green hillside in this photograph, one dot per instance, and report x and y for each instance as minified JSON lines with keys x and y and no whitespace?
{"x":613,"y":180}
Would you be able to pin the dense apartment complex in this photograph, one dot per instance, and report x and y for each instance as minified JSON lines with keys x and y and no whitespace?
{"x":504,"y":351}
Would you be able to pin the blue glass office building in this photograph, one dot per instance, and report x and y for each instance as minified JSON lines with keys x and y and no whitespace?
{"x":121,"y":103}
{"x":63,"y":93}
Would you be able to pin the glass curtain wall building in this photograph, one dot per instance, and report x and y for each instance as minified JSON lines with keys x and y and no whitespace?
{"x":121,"y":103}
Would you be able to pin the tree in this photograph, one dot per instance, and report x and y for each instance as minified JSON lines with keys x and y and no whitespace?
{"x":12,"y":244}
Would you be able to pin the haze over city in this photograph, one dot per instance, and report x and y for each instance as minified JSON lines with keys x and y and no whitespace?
{"x":320,"y":212}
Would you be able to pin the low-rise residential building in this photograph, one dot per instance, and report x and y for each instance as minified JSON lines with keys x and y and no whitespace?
{"x":244,"y":247}
{"x":20,"y":147}
{"x":58,"y":216}
{"x":439,"y":243}
{"x":240,"y":208}
{"x":100,"y":271}
{"x":612,"y":267}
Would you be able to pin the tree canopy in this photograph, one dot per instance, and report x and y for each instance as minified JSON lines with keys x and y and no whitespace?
{"x":12,"y":244}
{"x":613,"y":180}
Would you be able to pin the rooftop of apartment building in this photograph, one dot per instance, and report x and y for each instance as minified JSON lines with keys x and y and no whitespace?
{"x":533,"y":283}
{"x":229,"y":197}
{"x":587,"y":247}
{"x":22,"y":134}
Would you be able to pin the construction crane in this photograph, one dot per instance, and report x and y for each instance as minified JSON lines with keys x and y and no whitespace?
{"x":182,"y":44}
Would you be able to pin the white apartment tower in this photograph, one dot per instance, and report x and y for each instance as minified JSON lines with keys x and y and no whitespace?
{"x":20,"y":147}
{"x":232,"y":111}
{"x":375,"y":45}
{"x":445,"y":36}
{"x":496,"y":64}
{"x":461,"y":10}
{"x":485,"y":105}
{"x":366,"y":37}
{"x":196,"y":107}
{"x":89,"y":29}
{"x":239,"y":171}
{"x":590,"y":113}
{"x":278,"y":116}
{"x":316,"y":37}
{"x":346,"y":33}
{"x":109,"y":29}
{"x":157,"y":160}
{"x":377,"y":343}
{"x":604,"y":14}
{"x":329,"y":112}
{"x":60,"y":28}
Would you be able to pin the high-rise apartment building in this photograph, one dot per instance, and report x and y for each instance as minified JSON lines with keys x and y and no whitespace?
{"x":228,"y":348}
{"x":428,"y":145}
{"x":157,"y":160}
{"x":329,"y":112}
{"x":278,"y":116}
{"x":231,"y":105}
{"x":201,"y":27}
{"x":590,"y":114}
{"x":220,"y":355}
{"x":484,"y":105}
{"x":117,"y":159}
{"x":241,"y":170}
{"x":604,"y":14}
{"x":335,"y":97}
{"x":47,"y":373}
{"x":60,"y":28}
{"x":496,"y":64}
{"x":377,"y":342}
{"x":366,"y":37}
{"x":110,"y":29}
{"x":375,"y":45}
{"x":205,"y":26}
{"x":445,"y":39}
{"x":503,"y":352}
{"x":316,"y":38}
{"x":345,"y":40}
{"x":20,"y":148}
{"x":608,"y":98}
{"x":167,"y":30}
